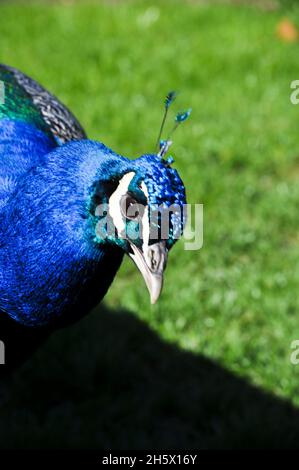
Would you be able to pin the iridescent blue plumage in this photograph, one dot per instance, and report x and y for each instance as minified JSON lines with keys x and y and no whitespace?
{"x":165,"y":189}
{"x":54,"y":267}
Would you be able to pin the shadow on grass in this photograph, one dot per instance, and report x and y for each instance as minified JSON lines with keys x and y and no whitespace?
{"x":110,"y":382}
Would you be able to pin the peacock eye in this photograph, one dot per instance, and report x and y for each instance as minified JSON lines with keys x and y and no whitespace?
{"x":130,"y":208}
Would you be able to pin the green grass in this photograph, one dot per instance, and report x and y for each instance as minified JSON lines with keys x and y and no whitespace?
{"x":114,"y":379}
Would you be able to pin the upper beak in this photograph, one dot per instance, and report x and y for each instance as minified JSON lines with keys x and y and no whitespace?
{"x":151,"y":262}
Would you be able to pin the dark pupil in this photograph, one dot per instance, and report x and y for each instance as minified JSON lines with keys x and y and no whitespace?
{"x":131,"y":209}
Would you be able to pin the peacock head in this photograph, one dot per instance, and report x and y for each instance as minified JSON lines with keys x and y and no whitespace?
{"x":141,"y":209}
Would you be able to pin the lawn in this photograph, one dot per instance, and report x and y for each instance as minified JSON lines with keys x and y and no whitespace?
{"x":209,"y":365}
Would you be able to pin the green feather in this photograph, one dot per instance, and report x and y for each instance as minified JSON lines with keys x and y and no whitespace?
{"x":17,"y":104}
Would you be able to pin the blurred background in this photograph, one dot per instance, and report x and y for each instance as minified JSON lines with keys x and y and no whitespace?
{"x":209,"y":365}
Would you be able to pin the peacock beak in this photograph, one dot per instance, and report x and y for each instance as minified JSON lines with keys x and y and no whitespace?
{"x":151,"y":262}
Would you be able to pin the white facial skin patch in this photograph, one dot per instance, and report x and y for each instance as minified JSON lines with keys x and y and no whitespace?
{"x":145,"y":220}
{"x":115,"y":207}
{"x":114,"y":202}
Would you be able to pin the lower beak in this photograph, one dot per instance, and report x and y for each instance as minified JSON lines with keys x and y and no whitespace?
{"x":151,"y":262}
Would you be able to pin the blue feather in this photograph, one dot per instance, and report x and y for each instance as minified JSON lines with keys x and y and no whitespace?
{"x":53,"y":268}
{"x":183,"y":116}
{"x":170,"y":97}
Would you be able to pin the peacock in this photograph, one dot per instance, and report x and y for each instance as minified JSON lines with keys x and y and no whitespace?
{"x":70,"y":209}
